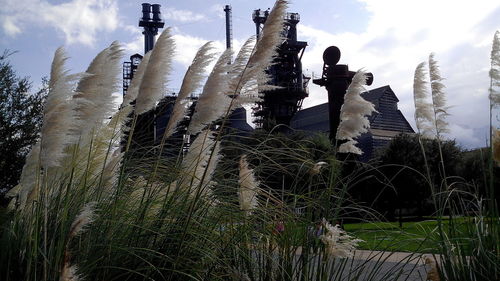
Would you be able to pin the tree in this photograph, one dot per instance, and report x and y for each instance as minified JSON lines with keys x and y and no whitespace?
{"x":20,"y":121}
{"x":403,"y":163}
{"x":397,"y":178}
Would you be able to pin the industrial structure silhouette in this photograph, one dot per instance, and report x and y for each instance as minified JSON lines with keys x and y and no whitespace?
{"x":281,"y":106}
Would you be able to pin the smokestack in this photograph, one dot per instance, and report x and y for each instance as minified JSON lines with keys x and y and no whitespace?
{"x":229,"y":27}
{"x":151,"y":25}
{"x":146,"y":12}
{"x":156,"y":12}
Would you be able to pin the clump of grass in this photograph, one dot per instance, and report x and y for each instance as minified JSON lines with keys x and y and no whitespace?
{"x":464,"y":254}
{"x":159,"y":218}
{"x":193,"y":215}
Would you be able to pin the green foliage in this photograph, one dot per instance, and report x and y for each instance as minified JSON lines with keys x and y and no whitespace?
{"x":402,"y":173}
{"x":475,"y":170}
{"x":20,"y":119}
{"x":405,"y":150}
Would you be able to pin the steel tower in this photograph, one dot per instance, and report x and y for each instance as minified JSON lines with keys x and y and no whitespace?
{"x":278,"y":106}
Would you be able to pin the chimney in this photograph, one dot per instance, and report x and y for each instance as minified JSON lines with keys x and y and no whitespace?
{"x":229,"y":27}
{"x":156,"y":12}
{"x":151,"y":25}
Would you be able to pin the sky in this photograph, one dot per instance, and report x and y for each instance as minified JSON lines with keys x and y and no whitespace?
{"x":386,"y":37}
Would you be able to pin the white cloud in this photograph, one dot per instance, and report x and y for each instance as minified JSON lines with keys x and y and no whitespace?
{"x":183,"y":16}
{"x":9,"y":27}
{"x":78,"y":20}
{"x":399,"y":35}
{"x":134,"y":46}
{"x":187,"y":46}
{"x":217,"y":10}
{"x":468,"y":136}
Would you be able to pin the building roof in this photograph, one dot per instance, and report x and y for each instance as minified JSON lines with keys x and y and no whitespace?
{"x":385,"y":124}
{"x":387,"y":118}
{"x":375,"y":94}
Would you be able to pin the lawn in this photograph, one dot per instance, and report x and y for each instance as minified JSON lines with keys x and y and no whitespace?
{"x":412,"y":237}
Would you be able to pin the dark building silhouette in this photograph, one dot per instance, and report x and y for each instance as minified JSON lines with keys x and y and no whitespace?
{"x":150,"y":24}
{"x":278,"y":106}
{"x":151,"y":125}
{"x":281,"y":106}
{"x":385,"y":124}
{"x":129,"y":69}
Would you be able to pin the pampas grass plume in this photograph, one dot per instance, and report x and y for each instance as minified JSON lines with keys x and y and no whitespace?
{"x":496,"y":146}
{"x":191,"y":82}
{"x":316,"y":169}
{"x":159,"y":66}
{"x":495,"y":70}
{"x":199,"y":163}
{"x":433,"y":273}
{"x":95,"y":102}
{"x":133,"y":89}
{"x":58,"y":115}
{"x":263,"y":54}
{"x":249,"y":187}
{"x":69,"y":273}
{"x":338,"y":243}
{"x":242,"y":86}
{"x":353,"y":114}
{"x":438,"y":97}
{"x":271,"y":37}
{"x":28,"y":180}
{"x":82,"y":220}
{"x":423,"y":109}
{"x":213,"y":102}
{"x":225,"y":80}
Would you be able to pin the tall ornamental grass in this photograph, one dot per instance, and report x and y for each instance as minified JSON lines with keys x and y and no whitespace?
{"x":90,"y":208}
{"x":470,"y":251}
{"x":90,"y":205}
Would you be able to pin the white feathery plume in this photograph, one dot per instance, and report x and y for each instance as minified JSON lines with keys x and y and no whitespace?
{"x":496,"y":146}
{"x":495,"y":71}
{"x":199,"y":163}
{"x":82,"y":220}
{"x":58,"y":118}
{"x":495,"y":95}
{"x":424,"y":117}
{"x":13,"y":194}
{"x":69,"y":273}
{"x":102,"y":156}
{"x":316,"y":168}
{"x":247,"y":80}
{"x":263,"y":54}
{"x":249,"y":187}
{"x":191,"y":82}
{"x":58,"y":69}
{"x":241,"y":88}
{"x":94,"y":98}
{"x":117,"y":126}
{"x":433,"y":273}
{"x":28,"y":180}
{"x":111,"y":170}
{"x":337,"y":242}
{"x":121,"y":118}
{"x":213,"y":101}
{"x":159,"y":66}
{"x":350,"y":147}
{"x":271,"y":37}
{"x":212,"y":163}
{"x":240,"y":64}
{"x":353,"y":114}
{"x":135,"y":84}
{"x":438,"y":97}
